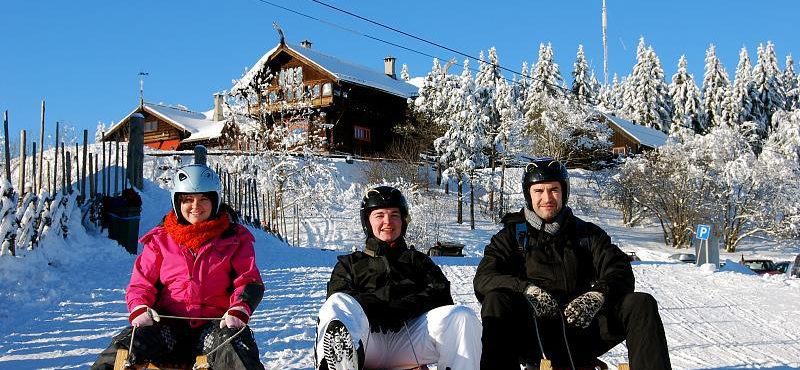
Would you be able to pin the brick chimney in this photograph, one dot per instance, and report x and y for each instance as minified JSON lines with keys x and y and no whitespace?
{"x":218,"y":102}
{"x":306,"y":44}
{"x":388,"y":66}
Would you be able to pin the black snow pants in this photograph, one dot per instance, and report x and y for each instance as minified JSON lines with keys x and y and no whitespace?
{"x":174,"y":341}
{"x":509,"y":334}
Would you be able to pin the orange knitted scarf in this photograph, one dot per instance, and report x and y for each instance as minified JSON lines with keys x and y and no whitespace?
{"x":193,"y":236}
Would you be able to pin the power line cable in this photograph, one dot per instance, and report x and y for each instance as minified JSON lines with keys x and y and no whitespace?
{"x":334,"y":25}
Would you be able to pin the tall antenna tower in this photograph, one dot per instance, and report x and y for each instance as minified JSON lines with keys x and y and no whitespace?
{"x":605,"y":45}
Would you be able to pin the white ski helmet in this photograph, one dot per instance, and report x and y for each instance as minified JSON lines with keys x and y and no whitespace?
{"x":196,"y":178}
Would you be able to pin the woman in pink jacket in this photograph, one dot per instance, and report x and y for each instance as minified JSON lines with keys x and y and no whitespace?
{"x":199,"y":263}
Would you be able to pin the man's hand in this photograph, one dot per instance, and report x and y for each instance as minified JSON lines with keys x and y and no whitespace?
{"x":542,"y":303}
{"x":581,"y":311}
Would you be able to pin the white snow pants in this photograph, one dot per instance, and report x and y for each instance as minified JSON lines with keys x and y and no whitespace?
{"x":448,"y":336}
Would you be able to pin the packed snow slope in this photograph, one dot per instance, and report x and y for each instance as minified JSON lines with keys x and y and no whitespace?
{"x":60,"y":304}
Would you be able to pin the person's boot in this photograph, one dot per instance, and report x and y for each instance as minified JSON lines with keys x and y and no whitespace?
{"x":338,"y":348}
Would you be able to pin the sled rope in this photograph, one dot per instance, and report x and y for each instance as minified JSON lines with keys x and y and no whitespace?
{"x":157,"y":317}
{"x":411,"y":343}
{"x":539,"y":337}
{"x":566,"y":343}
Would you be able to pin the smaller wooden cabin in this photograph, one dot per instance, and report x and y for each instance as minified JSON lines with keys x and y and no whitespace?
{"x":174,"y":128}
{"x":629,"y":138}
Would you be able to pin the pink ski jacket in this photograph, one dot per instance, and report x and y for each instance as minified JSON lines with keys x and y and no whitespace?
{"x":168,"y":278}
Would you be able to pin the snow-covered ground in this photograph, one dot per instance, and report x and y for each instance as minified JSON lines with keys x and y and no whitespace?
{"x":60,"y":304}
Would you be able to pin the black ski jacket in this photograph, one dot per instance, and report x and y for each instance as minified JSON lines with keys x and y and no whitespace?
{"x":579,"y":258}
{"x":392,"y":284}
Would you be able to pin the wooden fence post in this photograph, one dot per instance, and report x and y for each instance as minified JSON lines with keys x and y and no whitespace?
{"x":7,"y":153}
{"x":41,"y":149}
{"x":135,"y":161}
{"x":200,"y":155}
{"x":55,"y":162}
{"x":90,"y":174}
{"x":68,"y":161}
{"x":22,"y":152}
{"x":83,"y":165}
{"x":105,"y":168}
{"x":63,"y":169}
{"x":34,"y":189}
{"x":116,"y":168}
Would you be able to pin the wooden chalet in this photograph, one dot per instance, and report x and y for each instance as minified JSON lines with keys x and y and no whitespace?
{"x":353,"y":107}
{"x":629,"y":138}
{"x":175,"y":128}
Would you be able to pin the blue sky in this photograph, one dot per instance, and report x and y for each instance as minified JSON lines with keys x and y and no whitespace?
{"x":84,"y":57}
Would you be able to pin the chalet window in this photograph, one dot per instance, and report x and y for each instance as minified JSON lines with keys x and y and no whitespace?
{"x":620,"y":150}
{"x":298,"y":76}
{"x":361,"y":133}
{"x":315,"y":91}
{"x":327,"y":89}
{"x":150,"y":126}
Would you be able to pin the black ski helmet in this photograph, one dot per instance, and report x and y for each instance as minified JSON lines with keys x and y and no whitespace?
{"x":544,"y":170}
{"x":383,"y":197}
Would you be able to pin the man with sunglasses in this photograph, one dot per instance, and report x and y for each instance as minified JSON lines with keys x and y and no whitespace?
{"x":553,"y":286}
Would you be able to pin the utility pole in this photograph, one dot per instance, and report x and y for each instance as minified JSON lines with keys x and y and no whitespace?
{"x":605,"y":45}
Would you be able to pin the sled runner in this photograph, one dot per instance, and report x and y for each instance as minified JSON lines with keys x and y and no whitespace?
{"x":598,"y":365}
{"x":122,"y":359}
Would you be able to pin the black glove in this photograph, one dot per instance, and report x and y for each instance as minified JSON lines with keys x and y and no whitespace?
{"x":542,"y":303}
{"x":581,"y":311}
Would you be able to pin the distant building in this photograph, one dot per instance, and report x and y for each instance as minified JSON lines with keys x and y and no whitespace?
{"x":629,"y":138}
{"x":177,"y":128}
{"x":353,"y":107}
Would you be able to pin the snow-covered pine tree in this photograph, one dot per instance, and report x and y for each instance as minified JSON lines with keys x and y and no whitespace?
{"x":8,"y":219}
{"x":790,"y":85}
{"x":769,"y":95}
{"x":685,"y":99}
{"x":646,"y":95}
{"x":461,"y":147}
{"x":98,"y":132}
{"x":486,"y":87}
{"x":27,"y":214}
{"x":545,"y":80}
{"x":404,"y":73}
{"x":780,"y":161}
{"x":715,"y":84}
{"x":742,"y":91}
{"x":583,"y":81}
{"x":522,"y":85}
{"x":616,"y":95}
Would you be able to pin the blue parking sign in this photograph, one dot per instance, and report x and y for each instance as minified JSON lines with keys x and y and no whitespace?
{"x":703,"y":231}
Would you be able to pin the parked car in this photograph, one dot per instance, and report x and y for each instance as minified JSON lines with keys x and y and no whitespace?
{"x":451,"y":249}
{"x":761,"y":266}
{"x":684,"y":257}
{"x":783,"y":266}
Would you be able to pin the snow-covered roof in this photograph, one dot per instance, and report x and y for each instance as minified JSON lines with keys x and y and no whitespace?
{"x":198,"y":125}
{"x":646,"y":136}
{"x":342,"y":70}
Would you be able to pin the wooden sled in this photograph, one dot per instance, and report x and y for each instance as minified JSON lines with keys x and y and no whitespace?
{"x":598,"y":365}
{"x":122,"y":357}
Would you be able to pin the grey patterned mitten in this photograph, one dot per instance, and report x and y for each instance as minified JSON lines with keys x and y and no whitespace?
{"x":542,"y":303}
{"x":580,"y":312}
